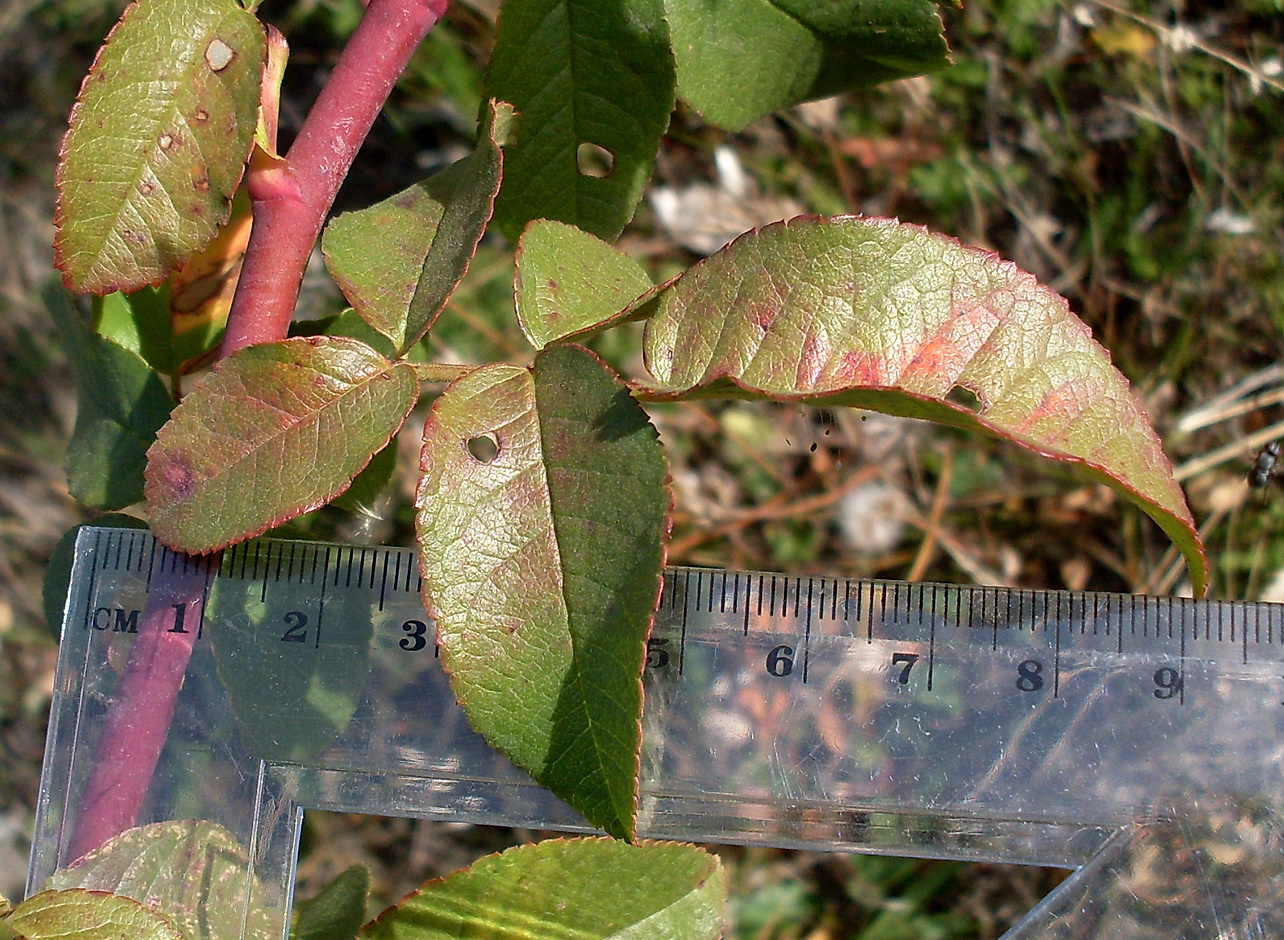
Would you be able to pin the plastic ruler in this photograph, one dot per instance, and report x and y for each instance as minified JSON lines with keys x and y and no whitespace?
{"x":1137,"y":740}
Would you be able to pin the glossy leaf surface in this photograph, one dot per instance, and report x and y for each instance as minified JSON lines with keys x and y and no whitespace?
{"x":123,"y":403}
{"x":541,"y":515}
{"x":877,"y":314}
{"x":738,"y":62}
{"x":568,"y":888}
{"x":192,"y":872}
{"x":86,"y":915}
{"x":588,"y":78}
{"x":158,"y":141}
{"x":399,"y":260}
{"x":568,"y":281}
{"x":277,"y":430}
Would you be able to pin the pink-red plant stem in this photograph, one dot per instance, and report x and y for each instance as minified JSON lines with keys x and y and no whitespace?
{"x":137,"y":723}
{"x":291,"y":199}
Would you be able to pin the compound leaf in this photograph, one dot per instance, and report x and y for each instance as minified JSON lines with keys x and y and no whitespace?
{"x":568,"y":888}
{"x":592,"y":81}
{"x":887,"y":316}
{"x":158,"y":140}
{"x":541,"y":516}
{"x":277,"y":430}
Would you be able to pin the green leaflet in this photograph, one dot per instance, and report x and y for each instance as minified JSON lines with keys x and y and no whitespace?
{"x":597,"y":73}
{"x":155,"y":864}
{"x":399,"y":260}
{"x":122,"y":404}
{"x":85,"y":915}
{"x":738,"y":62}
{"x":337,"y":911}
{"x":568,"y":888}
{"x":877,"y":314}
{"x":569,"y":282}
{"x":158,"y":140}
{"x":541,"y":515}
{"x":277,"y":430}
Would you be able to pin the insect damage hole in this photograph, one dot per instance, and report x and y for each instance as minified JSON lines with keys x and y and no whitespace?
{"x":966,"y":398}
{"x":218,"y":55}
{"x":594,"y":160}
{"x":484,"y":448}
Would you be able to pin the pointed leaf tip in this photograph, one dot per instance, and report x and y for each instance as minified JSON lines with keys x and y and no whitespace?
{"x":399,"y":260}
{"x":887,"y":316}
{"x":541,"y":516}
{"x":569,"y":282}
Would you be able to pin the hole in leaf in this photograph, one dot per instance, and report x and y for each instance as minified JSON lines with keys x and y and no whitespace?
{"x":964,"y":398}
{"x":483,"y":448}
{"x":593,"y":160}
{"x":218,"y":55}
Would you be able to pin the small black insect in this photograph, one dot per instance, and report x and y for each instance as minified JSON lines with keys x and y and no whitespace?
{"x":1263,"y":471}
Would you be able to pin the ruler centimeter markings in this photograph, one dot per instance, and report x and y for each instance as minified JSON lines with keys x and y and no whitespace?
{"x":1047,"y":727}
{"x":767,"y":603}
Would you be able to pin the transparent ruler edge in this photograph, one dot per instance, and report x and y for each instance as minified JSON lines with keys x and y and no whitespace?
{"x":1142,"y":629}
{"x":811,"y":610}
{"x":807,"y":599}
{"x":1145,"y":630}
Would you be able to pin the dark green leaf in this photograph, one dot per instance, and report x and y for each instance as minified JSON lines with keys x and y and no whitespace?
{"x":887,"y":316}
{"x":568,"y":888}
{"x":541,"y":517}
{"x":399,"y":260}
{"x":568,"y":282}
{"x":277,"y":430}
{"x":740,"y":61}
{"x":583,"y":75}
{"x":338,"y":910}
{"x":158,"y":141}
{"x":122,"y":403}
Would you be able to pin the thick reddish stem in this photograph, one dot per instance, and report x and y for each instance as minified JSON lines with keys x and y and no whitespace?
{"x":138,"y":721}
{"x":291,"y":199}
